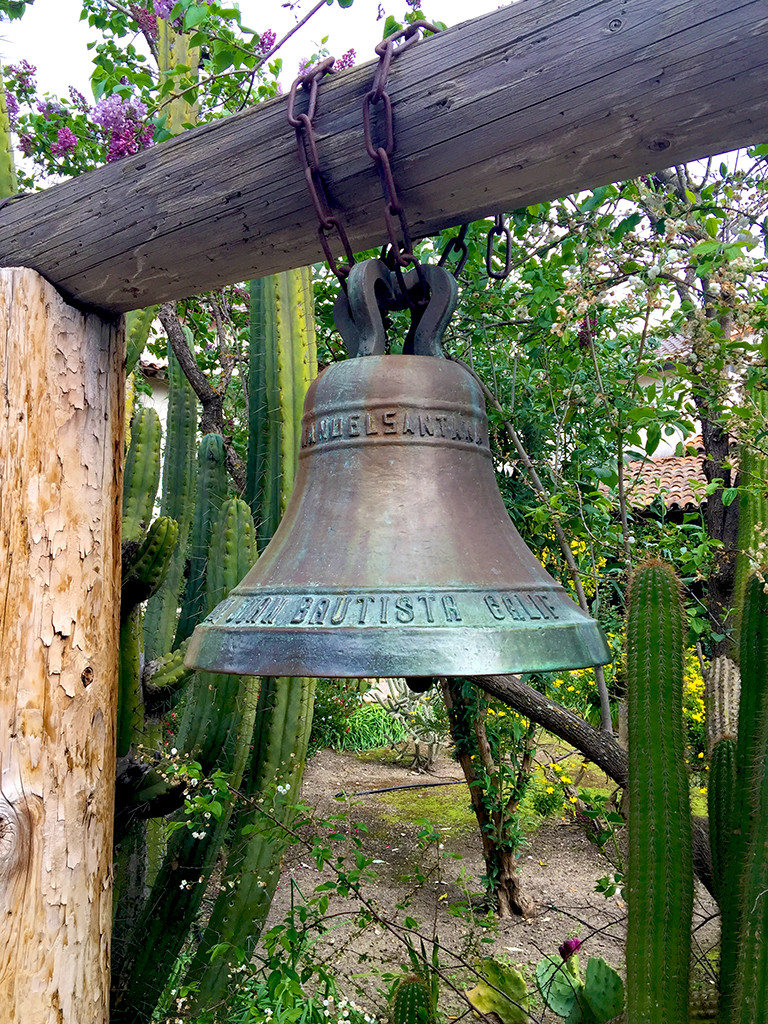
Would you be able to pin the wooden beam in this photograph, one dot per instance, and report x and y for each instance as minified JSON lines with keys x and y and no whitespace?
{"x":61,"y":415}
{"x":525,"y":104}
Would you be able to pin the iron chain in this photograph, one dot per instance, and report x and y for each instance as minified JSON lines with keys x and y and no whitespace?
{"x":395,"y":220}
{"x":306,"y":144}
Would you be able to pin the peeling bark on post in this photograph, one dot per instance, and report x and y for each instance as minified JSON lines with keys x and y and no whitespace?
{"x":61,"y":420}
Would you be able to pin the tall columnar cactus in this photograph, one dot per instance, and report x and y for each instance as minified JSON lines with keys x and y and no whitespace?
{"x":8,"y":183}
{"x":212,"y":485}
{"x":179,"y":475}
{"x":744,"y":954}
{"x":660,"y":876}
{"x":722,"y":701}
{"x":217,"y":731}
{"x":283,"y":361}
{"x":258,"y":742}
{"x":283,"y":332}
{"x":138,"y":324}
{"x":753,"y":514}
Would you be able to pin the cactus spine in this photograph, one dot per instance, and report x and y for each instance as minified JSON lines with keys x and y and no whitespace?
{"x":660,"y":876}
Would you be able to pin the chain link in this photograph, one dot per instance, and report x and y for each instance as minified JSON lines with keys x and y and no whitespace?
{"x":306,"y":144}
{"x":395,"y":220}
{"x":500,"y":229}
{"x":456,"y":245}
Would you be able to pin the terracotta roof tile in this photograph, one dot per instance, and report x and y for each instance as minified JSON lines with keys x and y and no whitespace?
{"x":672,"y":476}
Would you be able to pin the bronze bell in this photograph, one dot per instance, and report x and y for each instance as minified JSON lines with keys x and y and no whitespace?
{"x":396,"y":555}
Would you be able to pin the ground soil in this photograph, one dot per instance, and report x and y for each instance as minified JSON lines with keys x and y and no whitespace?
{"x":559,"y":871}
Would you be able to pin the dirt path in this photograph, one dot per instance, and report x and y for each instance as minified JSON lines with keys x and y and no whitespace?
{"x":559,"y":869}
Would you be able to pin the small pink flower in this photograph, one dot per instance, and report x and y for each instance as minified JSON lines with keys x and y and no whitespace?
{"x":568,"y":948}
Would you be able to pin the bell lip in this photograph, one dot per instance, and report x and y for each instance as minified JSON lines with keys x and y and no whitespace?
{"x":347,"y":653}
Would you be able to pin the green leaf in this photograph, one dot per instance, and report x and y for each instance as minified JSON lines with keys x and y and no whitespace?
{"x":345,"y":3}
{"x":729,"y":495}
{"x":628,"y":224}
{"x":512,"y":1007}
{"x":195,"y":16}
{"x":595,"y":199}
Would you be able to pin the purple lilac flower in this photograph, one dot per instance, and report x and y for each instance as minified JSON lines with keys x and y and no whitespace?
{"x":346,"y":60}
{"x":146,"y":21}
{"x":67,"y":142}
{"x":305,"y":64}
{"x":568,"y":948}
{"x":121,"y":120}
{"x":50,"y":109}
{"x":163,"y":8}
{"x":24,"y":73}
{"x":26,"y":144}
{"x":12,"y":106}
{"x":266,"y":41}
{"x":78,"y":100}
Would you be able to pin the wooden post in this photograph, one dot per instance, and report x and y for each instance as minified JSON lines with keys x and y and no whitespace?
{"x":61,"y":436}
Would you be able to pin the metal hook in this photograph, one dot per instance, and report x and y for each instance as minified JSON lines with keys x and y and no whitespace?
{"x":428,"y":322}
{"x":358,"y":314}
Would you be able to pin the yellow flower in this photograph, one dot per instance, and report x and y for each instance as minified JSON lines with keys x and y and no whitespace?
{"x":701,"y":755}
{"x":501,"y":714}
{"x":566,"y":779}
{"x":573,"y":799}
{"x":550,"y":789}
{"x":571,"y":688}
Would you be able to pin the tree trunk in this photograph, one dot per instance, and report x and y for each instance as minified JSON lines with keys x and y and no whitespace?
{"x":61,"y":418}
{"x":500,"y":863}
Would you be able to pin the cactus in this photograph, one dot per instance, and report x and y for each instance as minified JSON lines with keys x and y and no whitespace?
{"x":753,"y":514}
{"x":283,"y":361}
{"x":721,"y":803}
{"x":146,"y":570}
{"x":595,"y":999}
{"x":211,"y":492}
{"x":177,"y":502}
{"x":8,"y":184}
{"x":744,"y":955}
{"x":208,"y":726}
{"x":501,"y":992}
{"x":137,"y":327}
{"x":660,"y":875}
{"x":217,"y":729}
{"x":142,"y":474}
{"x":411,"y":1001}
{"x":282,"y":328}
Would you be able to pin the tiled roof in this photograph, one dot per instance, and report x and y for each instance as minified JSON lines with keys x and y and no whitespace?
{"x":672,"y":476}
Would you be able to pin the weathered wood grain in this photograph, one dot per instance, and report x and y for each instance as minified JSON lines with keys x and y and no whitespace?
{"x":61,"y":414}
{"x":525,"y":104}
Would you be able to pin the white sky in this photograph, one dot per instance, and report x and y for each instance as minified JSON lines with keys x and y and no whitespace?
{"x":51,"y":37}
